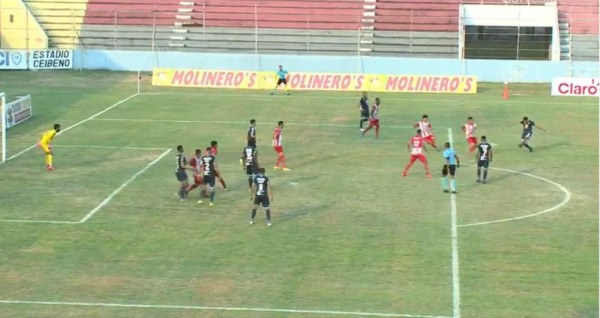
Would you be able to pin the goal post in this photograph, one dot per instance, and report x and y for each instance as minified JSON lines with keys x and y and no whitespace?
{"x":3,"y":129}
{"x":13,"y":113}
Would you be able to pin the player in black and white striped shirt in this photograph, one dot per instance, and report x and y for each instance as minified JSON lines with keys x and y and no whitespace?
{"x":181,"y":174}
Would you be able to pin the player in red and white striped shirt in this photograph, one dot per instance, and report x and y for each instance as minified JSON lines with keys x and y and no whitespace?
{"x":195,"y":164}
{"x":417,"y":149}
{"x":425,"y":127}
{"x":469,"y":130}
{"x":374,"y":118}
{"x":214,"y":151}
{"x":278,"y":147}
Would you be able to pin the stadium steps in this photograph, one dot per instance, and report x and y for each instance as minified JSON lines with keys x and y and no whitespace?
{"x":61,"y":19}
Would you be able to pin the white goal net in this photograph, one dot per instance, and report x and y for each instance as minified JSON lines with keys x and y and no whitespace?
{"x":13,"y":113}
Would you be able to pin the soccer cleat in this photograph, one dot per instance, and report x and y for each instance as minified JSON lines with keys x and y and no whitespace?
{"x":479,"y":180}
{"x":269,"y":224}
{"x":251,"y":222}
{"x":362,"y":129}
{"x":50,"y":168}
{"x":484,"y":182}
{"x":428,"y":176}
{"x":199,"y":201}
{"x":404,"y":174}
{"x":520,"y":145}
{"x":225,"y":189}
{"x":277,"y":168}
{"x":271,"y":93}
{"x":453,"y":192}
{"x":286,"y":169}
{"x":446,"y":191}
{"x":211,"y":204}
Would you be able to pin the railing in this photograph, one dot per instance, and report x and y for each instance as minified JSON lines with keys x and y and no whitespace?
{"x":408,"y":33}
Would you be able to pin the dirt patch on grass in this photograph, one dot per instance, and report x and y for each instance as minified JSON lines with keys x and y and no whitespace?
{"x":213,"y":286}
{"x":36,"y":249}
{"x":340,"y":119}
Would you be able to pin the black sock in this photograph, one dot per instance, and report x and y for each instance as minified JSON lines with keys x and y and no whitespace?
{"x":250,"y":181}
{"x":360,"y":123}
{"x":182,"y":192}
{"x":269,"y":215}
{"x":527,"y":146}
{"x":253,"y":213}
{"x":485,"y":174}
{"x":478,"y":173}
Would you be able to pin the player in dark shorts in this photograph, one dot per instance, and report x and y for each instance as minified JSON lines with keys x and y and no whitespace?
{"x":364,"y":110}
{"x":483,"y":158}
{"x":249,"y":162}
{"x":209,"y":171}
{"x":251,"y":136}
{"x":262,"y":194}
{"x":181,"y":174}
{"x":527,"y":132}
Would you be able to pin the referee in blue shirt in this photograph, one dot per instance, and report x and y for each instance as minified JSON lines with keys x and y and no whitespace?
{"x":452,"y":162}
{"x":281,"y":79}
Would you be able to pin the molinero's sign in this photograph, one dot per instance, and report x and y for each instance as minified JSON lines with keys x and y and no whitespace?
{"x":316,"y":81}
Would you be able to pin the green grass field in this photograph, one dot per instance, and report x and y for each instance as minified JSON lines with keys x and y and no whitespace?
{"x":351,"y":236}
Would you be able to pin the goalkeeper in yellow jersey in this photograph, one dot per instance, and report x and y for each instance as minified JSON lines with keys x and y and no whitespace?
{"x":44,"y":143}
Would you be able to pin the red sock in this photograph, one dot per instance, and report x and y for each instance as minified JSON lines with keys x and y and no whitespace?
{"x":377,"y":131}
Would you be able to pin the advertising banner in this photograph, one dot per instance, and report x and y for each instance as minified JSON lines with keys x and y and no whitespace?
{"x":18,"y":111}
{"x":13,"y":60}
{"x":50,"y":59}
{"x":36,"y":59}
{"x":316,"y":81}
{"x":575,"y":86}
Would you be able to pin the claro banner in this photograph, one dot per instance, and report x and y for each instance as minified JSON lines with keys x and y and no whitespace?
{"x":575,"y":86}
{"x":316,"y":81}
{"x":36,"y":59}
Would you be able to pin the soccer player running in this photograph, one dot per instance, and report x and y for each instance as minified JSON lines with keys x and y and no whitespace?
{"x":277,"y":146}
{"x":484,"y":157}
{"x":251,"y":135}
{"x":209,"y":172}
{"x":374,"y":119}
{"x":249,"y":163}
{"x":452,"y":162}
{"x":195,"y":163}
{"x":181,"y":174}
{"x":425,"y":127}
{"x":214,"y":150}
{"x":45,"y":145}
{"x":528,"y":132}
{"x":282,"y":76}
{"x":416,"y":146}
{"x":262,"y":194}
{"x":364,"y":110}
{"x":469,"y":130}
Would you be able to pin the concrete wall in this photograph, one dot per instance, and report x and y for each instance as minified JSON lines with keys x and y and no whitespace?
{"x":485,"y":70}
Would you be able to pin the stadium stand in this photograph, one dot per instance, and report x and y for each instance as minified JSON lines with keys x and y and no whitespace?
{"x":427,"y":28}
{"x":225,"y":25}
{"x":61,"y":19}
{"x":424,"y":28}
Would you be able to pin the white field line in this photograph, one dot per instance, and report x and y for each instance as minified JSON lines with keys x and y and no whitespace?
{"x":217,"y":122}
{"x":347,"y":98}
{"x":206,"y":308}
{"x":39,"y":221}
{"x":455,"y":255}
{"x":565,"y":200}
{"x":109,"y":147}
{"x":78,"y":123}
{"x":122,"y":186}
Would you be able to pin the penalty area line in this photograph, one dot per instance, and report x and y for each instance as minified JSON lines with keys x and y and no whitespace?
{"x":122,"y":186}
{"x":206,"y":308}
{"x":217,"y":122}
{"x":109,"y":147}
{"x":18,"y":154}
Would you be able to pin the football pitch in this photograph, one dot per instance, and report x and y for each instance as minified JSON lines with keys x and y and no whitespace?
{"x":104,"y":236}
